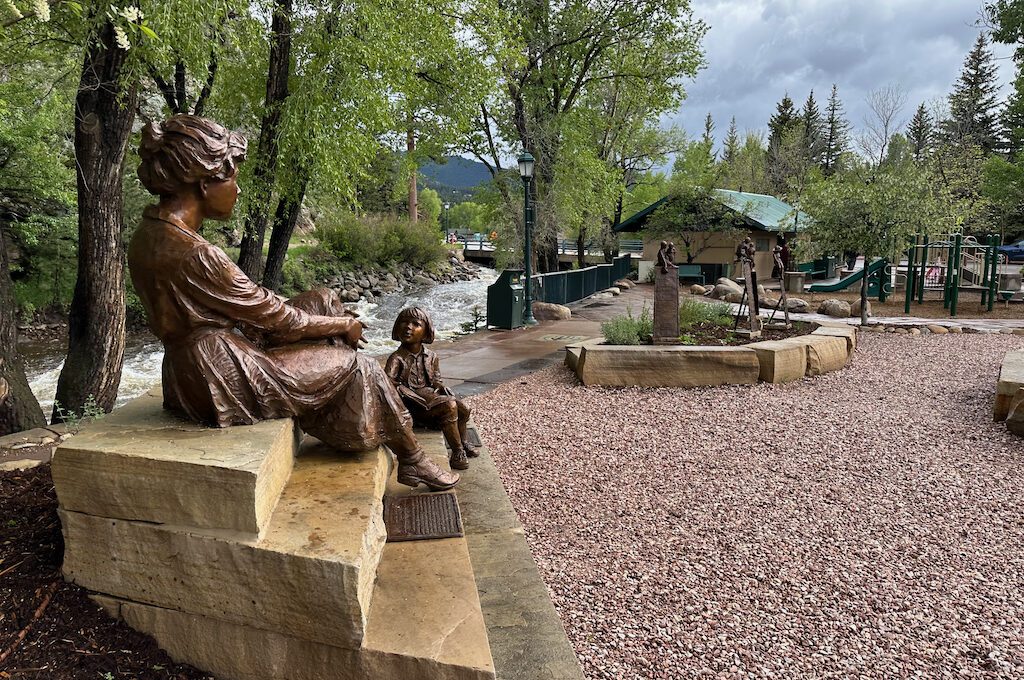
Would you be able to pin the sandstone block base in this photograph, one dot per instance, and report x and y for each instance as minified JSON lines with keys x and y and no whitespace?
{"x":310,"y":576}
{"x":667,"y":366}
{"x":1011,"y":379}
{"x":780,"y":362}
{"x":1015,"y":417}
{"x":143,"y":463}
{"x":824,"y":353}
{"x":849,"y":333}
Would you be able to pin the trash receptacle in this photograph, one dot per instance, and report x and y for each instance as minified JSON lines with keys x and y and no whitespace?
{"x":505,"y":300}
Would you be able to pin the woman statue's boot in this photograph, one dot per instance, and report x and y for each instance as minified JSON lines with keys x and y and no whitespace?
{"x":415,"y":468}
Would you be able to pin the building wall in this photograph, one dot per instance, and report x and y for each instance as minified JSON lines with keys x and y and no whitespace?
{"x":722,"y":250}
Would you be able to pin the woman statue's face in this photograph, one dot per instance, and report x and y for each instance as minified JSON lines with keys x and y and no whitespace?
{"x":219,"y":197}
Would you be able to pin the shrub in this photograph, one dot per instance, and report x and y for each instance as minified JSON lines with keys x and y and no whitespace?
{"x":379,"y":239}
{"x":627,"y":330}
{"x":692,"y":312}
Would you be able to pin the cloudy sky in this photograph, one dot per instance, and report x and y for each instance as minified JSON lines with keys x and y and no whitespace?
{"x":757,"y":50}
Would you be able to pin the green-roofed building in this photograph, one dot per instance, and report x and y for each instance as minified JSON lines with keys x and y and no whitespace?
{"x":766,"y":217}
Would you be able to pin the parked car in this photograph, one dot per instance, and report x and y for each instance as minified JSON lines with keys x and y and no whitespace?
{"x":1013,"y":252}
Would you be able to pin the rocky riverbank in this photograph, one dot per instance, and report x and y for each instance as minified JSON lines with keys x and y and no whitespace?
{"x":372,"y":282}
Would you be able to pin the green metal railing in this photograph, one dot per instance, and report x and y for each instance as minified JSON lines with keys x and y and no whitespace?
{"x":569,"y":286}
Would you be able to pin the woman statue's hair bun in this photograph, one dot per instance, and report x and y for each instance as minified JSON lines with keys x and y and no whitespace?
{"x":187,"y":149}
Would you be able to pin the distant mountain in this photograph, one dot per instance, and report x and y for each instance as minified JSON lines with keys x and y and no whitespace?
{"x":457,"y":178}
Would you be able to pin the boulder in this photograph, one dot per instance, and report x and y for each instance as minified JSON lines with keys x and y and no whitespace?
{"x":937,"y":330}
{"x":733,"y":296}
{"x":730,"y":284}
{"x":855,"y":308}
{"x":623,"y":284}
{"x":835,"y":308}
{"x":613,"y":290}
{"x":697,"y":289}
{"x":549,"y":311}
{"x":797,"y":305}
{"x":420,"y":280}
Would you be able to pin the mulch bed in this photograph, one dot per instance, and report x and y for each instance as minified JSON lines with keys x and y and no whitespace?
{"x":714,"y":334}
{"x":51,"y":629}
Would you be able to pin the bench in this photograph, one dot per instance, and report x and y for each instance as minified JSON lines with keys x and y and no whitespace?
{"x":691,"y":271}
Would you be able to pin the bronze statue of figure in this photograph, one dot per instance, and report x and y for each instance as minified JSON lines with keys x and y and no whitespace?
{"x":416,"y":372}
{"x":306,"y":364}
{"x":666,"y":256}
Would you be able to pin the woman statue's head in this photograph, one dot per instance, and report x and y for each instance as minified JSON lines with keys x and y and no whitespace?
{"x":191,"y":154}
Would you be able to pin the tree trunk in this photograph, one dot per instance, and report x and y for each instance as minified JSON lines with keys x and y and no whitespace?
{"x":285,"y":218}
{"x":250,"y":257}
{"x":104,"y":113}
{"x":19,"y":409}
{"x":581,"y":242}
{"x":410,"y":145}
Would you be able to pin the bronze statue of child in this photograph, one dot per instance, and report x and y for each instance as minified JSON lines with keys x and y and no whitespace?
{"x":416,"y":372}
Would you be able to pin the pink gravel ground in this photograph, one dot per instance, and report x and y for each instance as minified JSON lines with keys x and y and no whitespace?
{"x":865,"y":523}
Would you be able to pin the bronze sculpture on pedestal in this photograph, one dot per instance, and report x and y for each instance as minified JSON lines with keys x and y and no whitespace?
{"x":197,"y":301}
{"x":416,"y":372}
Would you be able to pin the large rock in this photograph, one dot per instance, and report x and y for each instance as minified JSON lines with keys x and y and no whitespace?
{"x":623,"y":284}
{"x":824,"y":353}
{"x":1015,"y":415}
{"x":697,"y":289}
{"x":733,"y":296}
{"x":549,"y":311}
{"x":839,"y":309}
{"x":848,"y":333}
{"x":855,"y":308}
{"x":666,"y":366}
{"x":1011,"y":379}
{"x":779,"y":361}
{"x":729,"y":284}
{"x":797,"y":305}
{"x":310,"y":576}
{"x":143,"y":463}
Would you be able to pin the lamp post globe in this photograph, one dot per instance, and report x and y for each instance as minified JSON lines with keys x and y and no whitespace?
{"x":526,"y":163}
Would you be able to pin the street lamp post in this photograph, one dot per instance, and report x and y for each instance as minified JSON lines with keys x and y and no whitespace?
{"x":526,"y":162}
{"x":447,"y":223}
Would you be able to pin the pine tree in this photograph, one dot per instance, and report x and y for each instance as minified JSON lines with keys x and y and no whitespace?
{"x":921,"y":133}
{"x":835,"y":134}
{"x":731,"y":144}
{"x":812,"y":129}
{"x":783,"y":122}
{"x":708,"y":139}
{"x":973,"y":103}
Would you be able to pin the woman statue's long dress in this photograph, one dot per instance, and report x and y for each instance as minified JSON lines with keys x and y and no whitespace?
{"x":198,"y":302}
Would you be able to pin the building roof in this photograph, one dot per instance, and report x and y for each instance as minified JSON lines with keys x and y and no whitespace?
{"x":762,"y":211}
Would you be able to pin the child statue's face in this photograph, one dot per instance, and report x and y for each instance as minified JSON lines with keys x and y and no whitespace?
{"x":411,"y":331}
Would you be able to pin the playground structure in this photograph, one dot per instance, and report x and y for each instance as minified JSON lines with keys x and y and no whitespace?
{"x":879,"y":281}
{"x":952,"y":264}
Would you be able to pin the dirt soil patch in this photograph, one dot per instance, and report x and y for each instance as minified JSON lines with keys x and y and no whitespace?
{"x":714,"y":334}
{"x":51,"y":629}
{"x":968,"y":306}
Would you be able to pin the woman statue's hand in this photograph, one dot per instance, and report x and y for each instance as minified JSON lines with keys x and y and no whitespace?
{"x":353,"y":335}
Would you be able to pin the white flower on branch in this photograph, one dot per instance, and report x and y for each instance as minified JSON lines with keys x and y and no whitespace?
{"x":42,"y":9}
{"x":121,"y":38}
{"x":11,"y":9}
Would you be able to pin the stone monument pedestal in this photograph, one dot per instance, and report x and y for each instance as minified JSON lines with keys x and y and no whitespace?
{"x":666,"y":305}
{"x":251,"y":556}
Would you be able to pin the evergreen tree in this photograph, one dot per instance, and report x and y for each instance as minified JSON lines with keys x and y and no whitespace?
{"x":731,"y":144}
{"x":783,"y":122}
{"x":708,"y":139}
{"x":973,"y":103}
{"x":1013,"y":119}
{"x":835,"y":134}
{"x":812,"y":129}
{"x":921,"y":134}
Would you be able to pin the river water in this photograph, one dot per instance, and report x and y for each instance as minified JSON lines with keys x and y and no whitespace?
{"x":449,"y":305}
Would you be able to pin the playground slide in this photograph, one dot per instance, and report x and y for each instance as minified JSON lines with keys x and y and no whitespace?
{"x":853,"y":278}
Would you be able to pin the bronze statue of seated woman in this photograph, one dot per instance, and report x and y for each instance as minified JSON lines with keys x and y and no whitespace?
{"x":197,"y":302}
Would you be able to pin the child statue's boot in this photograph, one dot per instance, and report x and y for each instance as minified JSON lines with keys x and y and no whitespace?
{"x":415,"y":469}
{"x":471,"y":450}
{"x":457,"y":459}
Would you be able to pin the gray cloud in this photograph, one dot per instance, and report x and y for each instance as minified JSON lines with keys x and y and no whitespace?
{"x":757,"y":50}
